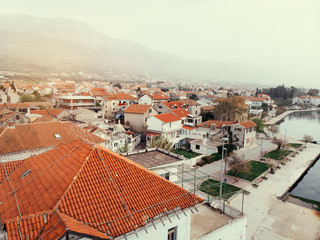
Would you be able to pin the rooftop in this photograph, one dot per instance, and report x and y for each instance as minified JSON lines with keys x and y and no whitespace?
{"x":137,"y":108}
{"x":153,"y":158}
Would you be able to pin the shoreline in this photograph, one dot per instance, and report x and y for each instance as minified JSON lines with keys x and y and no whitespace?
{"x":280,"y":117}
{"x":270,"y":218}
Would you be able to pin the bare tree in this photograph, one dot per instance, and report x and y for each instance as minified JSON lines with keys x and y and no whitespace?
{"x":306,"y":139}
{"x":279,"y":142}
{"x":274,"y":129}
{"x":161,"y":142}
{"x":237,"y":164}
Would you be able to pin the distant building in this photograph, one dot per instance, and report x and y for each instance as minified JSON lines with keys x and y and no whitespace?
{"x":75,"y":102}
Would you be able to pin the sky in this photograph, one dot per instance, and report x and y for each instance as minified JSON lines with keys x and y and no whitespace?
{"x":283,"y":35}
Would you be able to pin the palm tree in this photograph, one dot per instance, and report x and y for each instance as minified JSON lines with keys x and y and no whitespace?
{"x":306,"y":139}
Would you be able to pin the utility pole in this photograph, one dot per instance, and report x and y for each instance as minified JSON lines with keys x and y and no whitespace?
{"x":223,"y":140}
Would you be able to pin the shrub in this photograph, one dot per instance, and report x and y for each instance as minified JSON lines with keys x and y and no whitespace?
{"x":211,"y":158}
{"x":230,"y":147}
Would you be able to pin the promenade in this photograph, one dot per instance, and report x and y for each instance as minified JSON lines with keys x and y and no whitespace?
{"x":270,"y":218}
{"x":283,"y":115}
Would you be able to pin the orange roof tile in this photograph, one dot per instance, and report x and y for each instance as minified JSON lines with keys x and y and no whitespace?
{"x":7,"y":167}
{"x":121,"y":96}
{"x":188,"y":127}
{"x":90,"y":185}
{"x":159,"y":96}
{"x":167,"y":117}
{"x":137,"y":108}
{"x":248,"y":124}
{"x":46,"y":112}
{"x":180,"y":112}
{"x":45,"y":119}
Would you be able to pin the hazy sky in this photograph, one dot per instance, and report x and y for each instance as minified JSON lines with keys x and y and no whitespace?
{"x":278,"y":34}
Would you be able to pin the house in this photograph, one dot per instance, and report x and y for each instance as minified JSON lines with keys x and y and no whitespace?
{"x":166,"y":107}
{"x":75,"y":102}
{"x":17,"y":107}
{"x":136,"y":116}
{"x":7,"y":117}
{"x":20,"y":141}
{"x":193,"y":107}
{"x":153,"y":99}
{"x":167,"y":125}
{"x":118,"y":102}
{"x":243,"y":134}
{"x":80,"y":190}
{"x":9,"y":96}
{"x":204,"y":146}
{"x":82,"y":115}
{"x":56,"y":113}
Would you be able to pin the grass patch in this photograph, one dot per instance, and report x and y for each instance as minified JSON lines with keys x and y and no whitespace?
{"x":278,"y":155}
{"x":212,"y":187}
{"x":294,"y":145}
{"x":256,"y":169}
{"x":186,"y":153}
{"x":212,"y":158}
{"x":308,"y":201}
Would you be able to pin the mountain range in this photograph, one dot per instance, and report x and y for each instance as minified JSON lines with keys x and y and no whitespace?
{"x":30,"y":43}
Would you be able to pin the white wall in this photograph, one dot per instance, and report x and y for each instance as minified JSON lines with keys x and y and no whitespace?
{"x":161,"y":233}
{"x":145,"y":100}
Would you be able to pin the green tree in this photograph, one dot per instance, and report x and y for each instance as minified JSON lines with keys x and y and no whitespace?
{"x":13,"y":87}
{"x":123,"y":149}
{"x":279,"y":142}
{"x":26,"y":98}
{"x":236,"y":163}
{"x":260,"y":124}
{"x":194,"y":97}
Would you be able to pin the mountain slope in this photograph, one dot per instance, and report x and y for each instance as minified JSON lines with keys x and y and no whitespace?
{"x":53,"y":44}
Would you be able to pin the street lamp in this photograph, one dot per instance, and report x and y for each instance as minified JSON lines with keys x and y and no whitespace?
{"x":224,"y":139}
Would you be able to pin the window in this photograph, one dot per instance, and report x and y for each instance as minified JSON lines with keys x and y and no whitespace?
{"x":172,"y":233}
{"x":17,"y":117}
{"x":197,"y":146}
{"x":165,"y":175}
{"x":57,"y":136}
{"x":150,"y":110}
{"x":115,"y":144}
{"x":160,"y":106}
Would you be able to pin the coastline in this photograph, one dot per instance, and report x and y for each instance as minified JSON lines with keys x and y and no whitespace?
{"x":270,"y":218}
{"x":278,"y":118}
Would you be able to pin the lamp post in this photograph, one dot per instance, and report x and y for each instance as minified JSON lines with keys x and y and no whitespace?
{"x":223,"y":141}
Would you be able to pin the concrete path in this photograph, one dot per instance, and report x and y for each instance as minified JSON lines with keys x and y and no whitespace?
{"x":270,"y":218}
{"x":283,"y":115}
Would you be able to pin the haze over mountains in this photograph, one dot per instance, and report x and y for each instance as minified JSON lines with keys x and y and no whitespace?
{"x":53,"y":44}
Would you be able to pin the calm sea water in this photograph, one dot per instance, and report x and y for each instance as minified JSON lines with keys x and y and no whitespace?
{"x":296,"y":125}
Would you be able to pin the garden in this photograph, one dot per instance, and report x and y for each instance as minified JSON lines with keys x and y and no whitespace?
{"x":294,"y":145}
{"x":278,"y":154}
{"x":253,"y":170}
{"x":186,"y":153}
{"x":212,"y":187}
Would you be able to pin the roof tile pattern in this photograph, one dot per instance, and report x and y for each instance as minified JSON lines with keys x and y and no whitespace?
{"x":7,"y":167}
{"x":137,"y":108}
{"x":89,"y":185}
{"x":167,"y":117}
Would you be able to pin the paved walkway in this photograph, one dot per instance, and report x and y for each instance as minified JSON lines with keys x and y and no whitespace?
{"x":270,"y":218}
{"x":283,"y":115}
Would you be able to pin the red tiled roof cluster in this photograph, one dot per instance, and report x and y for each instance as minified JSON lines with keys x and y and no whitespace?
{"x":7,"y":167}
{"x":159,"y":96}
{"x":137,"y":108}
{"x":120,"y":96}
{"x":45,"y":119}
{"x":167,"y":117}
{"x":25,"y":137}
{"x":187,"y":127}
{"x":46,"y":112}
{"x":87,"y":189}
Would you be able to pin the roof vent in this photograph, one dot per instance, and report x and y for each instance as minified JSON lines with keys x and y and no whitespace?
{"x":26,"y":173}
{"x":57,"y":136}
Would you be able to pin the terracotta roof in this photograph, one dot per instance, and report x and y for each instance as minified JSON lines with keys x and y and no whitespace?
{"x":217,"y":123}
{"x":76,"y":132}
{"x":7,"y":168}
{"x":189,"y":102}
{"x":25,"y":137}
{"x":46,"y":112}
{"x":248,"y":124}
{"x":85,"y":94}
{"x":174,"y":104}
{"x":91,"y":186}
{"x":167,"y":117}
{"x":187,"y":127}
{"x":99,"y":93}
{"x":121,"y":96}
{"x":38,"y":104}
{"x":45,"y":119}
{"x":137,"y":108}
{"x":14,"y":105}
{"x":207,"y":108}
{"x":180,"y":112}
{"x":7,"y":115}
{"x":159,"y":96}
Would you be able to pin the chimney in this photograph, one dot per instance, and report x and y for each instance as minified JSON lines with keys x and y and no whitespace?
{"x":11,"y":124}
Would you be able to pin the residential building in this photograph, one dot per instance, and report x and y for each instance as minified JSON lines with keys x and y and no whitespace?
{"x":56,"y":113}
{"x":243,"y":134}
{"x":75,"y":102}
{"x":8,"y":117}
{"x":83,"y":115}
{"x":153,"y":99}
{"x":167,"y":125}
{"x":118,"y":102}
{"x":136,"y":116}
{"x":17,"y":107}
{"x":193,"y":107}
{"x":79,"y":190}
